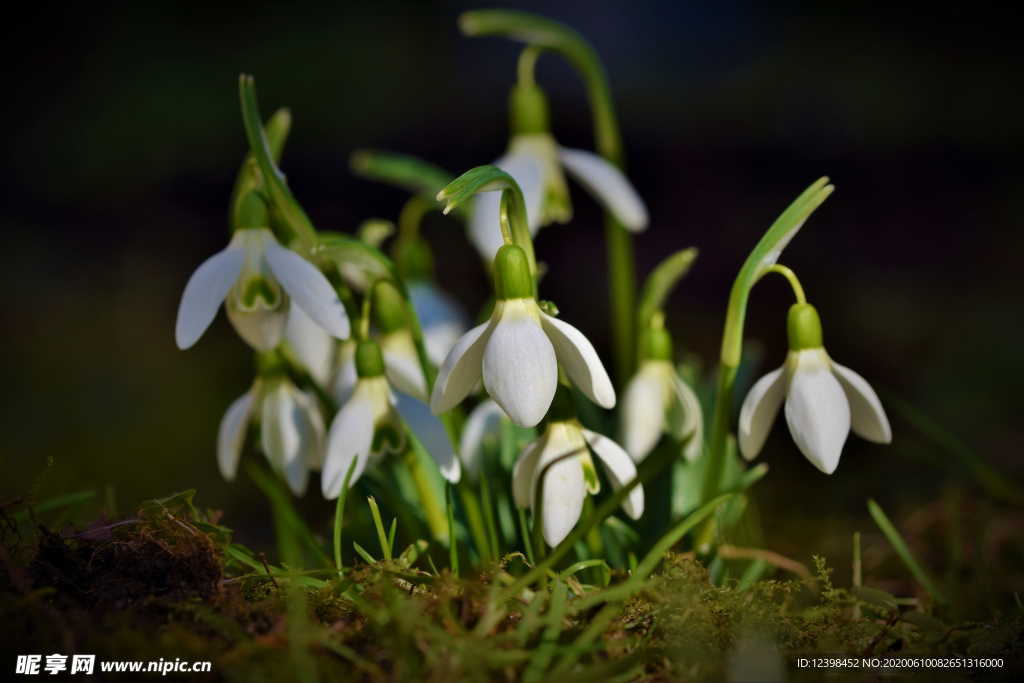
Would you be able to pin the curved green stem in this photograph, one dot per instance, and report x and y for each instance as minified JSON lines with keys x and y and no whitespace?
{"x":541,"y":32}
{"x":514,"y":225}
{"x":794,"y":281}
{"x":761,"y":259}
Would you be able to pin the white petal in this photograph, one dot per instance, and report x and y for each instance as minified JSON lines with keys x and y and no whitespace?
{"x":559,"y":467}
{"x":231,"y":435}
{"x":580,"y":360}
{"x":608,"y":185}
{"x":563,"y":493}
{"x":759,"y":410}
{"x":692,"y":417}
{"x":485,"y":222}
{"x":402,"y":364}
{"x":524,"y":473}
{"x":484,"y":421}
{"x":519,"y":368}
{"x":818,"y":414}
{"x":287,"y":434}
{"x":461,"y":369}
{"x":867,"y":416}
{"x":345,"y":375}
{"x":261,"y":329}
{"x":643,"y":412}
{"x":204,"y":293}
{"x":313,"y":346}
{"x":432,"y":435}
{"x":350,"y":437}
{"x":309,"y":289}
{"x":313,"y":424}
{"x":620,"y":469}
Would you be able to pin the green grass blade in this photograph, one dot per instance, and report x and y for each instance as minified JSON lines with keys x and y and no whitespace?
{"x":901,"y":548}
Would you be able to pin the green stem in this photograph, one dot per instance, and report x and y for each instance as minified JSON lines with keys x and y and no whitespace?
{"x":475,"y":520}
{"x":759,"y":261}
{"x":541,"y":32}
{"x":433,"y":510}
{"x":794,"y":281}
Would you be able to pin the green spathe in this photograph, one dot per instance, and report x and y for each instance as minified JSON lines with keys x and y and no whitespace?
{"x":804,"y":327}
{"x":369,"y":361}
{"x":512,"y":278}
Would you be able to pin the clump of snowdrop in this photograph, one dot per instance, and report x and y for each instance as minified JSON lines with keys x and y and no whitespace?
{"x":823,"y":399}
{"x":554,"y":473}
{"x":657,"y":401}
{"x":517,"y":352}
{"x":538,"y":164}
{"x":257,"y":280}
{"x":291,"y":428}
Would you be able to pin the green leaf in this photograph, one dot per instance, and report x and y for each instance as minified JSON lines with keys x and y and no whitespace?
{"x":408,"y":172}
{"x":288,"y":209}
{"x":901,"y":548}
{"x":661,"y":281}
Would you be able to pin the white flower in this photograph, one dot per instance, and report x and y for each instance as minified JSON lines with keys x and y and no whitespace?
{"x":656,"y":400}
{"x":484,"y":421}
{"x":441,"y":318}
{"x":823,"y":401}
{"x":248,"y":277}
{"x":536,"y":163}
{"x":343,"y":383}
{"x":402,"y":363}
{"x":368,"y":426}
{"x":517,"y":353}
{"x":291,"y":431}
{"x":313,"y":347}
{"x":558,"y":467}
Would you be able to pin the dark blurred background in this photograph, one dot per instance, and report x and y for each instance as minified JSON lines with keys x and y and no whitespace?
{"x":123,"y":137}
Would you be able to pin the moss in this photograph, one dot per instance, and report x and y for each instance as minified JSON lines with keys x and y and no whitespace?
{"x":168,"y":582}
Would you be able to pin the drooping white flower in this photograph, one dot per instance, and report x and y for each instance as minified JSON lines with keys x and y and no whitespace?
{"x":254,"y":277}
{"x":658,"y":401}
{"x":517,"y":353}
{"x":442,"y":319}
{"x":312,"y":346}
{"x":367,"y":426}
{"x":536,"y":162}
{"x":559,"y":470}
{"x":291,"y":430}
{"x":484,"y":421}
{"x":824,"y":400}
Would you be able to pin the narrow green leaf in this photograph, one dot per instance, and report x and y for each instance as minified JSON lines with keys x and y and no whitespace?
{"x":661,"y":281}
{"x":901,"y":548}
{"x":382,"y":536}
{"x":408,"y":172}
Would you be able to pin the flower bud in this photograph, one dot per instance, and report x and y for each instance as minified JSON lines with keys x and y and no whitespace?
{"x":804,"y":327}
{"x":512,"y":278}
{"x":369,"y":361}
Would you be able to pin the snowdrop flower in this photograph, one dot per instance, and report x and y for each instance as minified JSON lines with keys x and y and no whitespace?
{"x":824,"y":399}
{"x":558,"y":468}
{"x":291,"y":430}
{"x":536,"y":162}
{"x":517,"y":352}
{"x":343,"y":382}
{"x":483,"y":422}
{"x":657,"y":400}
{"x":312,"y":346}
{"x":254,"y":277}
{"x":442,"y":319}
{"x":368,"y":427}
